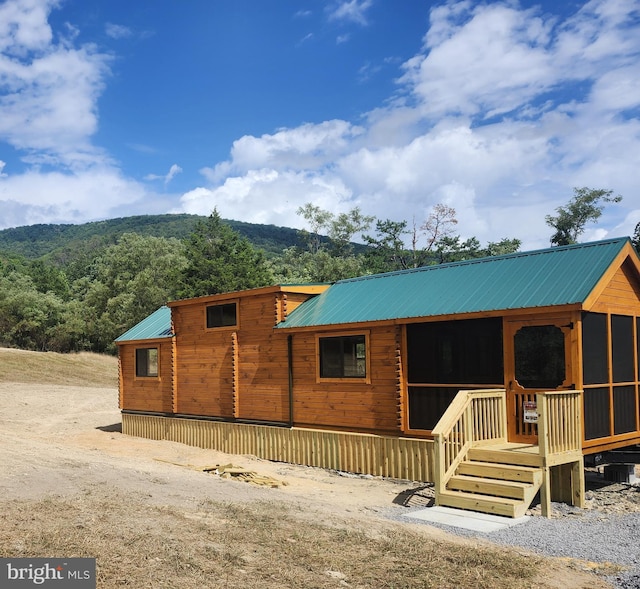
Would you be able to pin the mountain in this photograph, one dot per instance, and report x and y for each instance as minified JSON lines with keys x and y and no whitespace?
{"x":63,"y":243}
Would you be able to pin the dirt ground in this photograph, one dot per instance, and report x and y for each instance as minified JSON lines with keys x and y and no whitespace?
{"x":65,"y":442}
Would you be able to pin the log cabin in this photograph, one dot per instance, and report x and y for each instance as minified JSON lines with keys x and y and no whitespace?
{"x":491,"y":378}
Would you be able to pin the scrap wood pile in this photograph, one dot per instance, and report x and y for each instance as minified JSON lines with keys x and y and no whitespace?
{"x":228,"y":471}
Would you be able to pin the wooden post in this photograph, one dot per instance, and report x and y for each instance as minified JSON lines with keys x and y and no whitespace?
{"x":545,"y":493}
{"x":577,"y":483}
{"x":438,"y":474}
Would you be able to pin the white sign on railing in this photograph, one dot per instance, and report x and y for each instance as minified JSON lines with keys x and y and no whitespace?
{"x":530,"y":412}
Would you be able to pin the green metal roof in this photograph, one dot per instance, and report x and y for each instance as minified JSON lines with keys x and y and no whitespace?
{"x":156,"y":325}
{"x":549,"y":277}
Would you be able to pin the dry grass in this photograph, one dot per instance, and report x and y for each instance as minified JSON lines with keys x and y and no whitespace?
{"x":82,"y":369}
{"x":233,"y":546}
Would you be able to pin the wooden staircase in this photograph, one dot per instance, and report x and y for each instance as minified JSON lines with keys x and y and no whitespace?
{"x":496,"y":481}
{"x":476,"y":467}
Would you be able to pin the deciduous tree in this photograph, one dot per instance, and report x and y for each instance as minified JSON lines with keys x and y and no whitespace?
{"x":586,"y":206}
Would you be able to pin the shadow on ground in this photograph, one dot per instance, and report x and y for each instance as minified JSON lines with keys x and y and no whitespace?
{"x":114,"y":427}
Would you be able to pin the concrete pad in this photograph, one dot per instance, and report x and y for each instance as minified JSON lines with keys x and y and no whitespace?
{"x":467,"y":520}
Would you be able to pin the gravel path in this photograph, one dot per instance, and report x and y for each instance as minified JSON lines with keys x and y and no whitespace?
{"x":603,"y":538}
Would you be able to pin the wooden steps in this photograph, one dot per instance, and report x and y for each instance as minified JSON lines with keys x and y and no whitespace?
{"x":500,"y":482}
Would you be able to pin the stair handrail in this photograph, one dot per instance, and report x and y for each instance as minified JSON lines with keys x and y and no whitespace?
{"x":559,"y":422}
{"x":474,"y":416}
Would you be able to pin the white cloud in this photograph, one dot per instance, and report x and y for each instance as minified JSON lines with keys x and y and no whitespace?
{"x":48,"y":114}
{"x":245,"y":196}
{"x":350,"y":11}
{"x":57,"y":197}
{"x":24,"y":26}
{"x":118,"y":31}
{"x":170,"y":175}
{"x":500,"y":115}
{"x":48,"y":105}
{"x":308,"y":146}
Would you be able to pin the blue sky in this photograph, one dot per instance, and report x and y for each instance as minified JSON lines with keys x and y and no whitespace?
{"x":497,"y":109}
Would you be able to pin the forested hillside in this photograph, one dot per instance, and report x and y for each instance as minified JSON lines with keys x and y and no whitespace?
{"x":77,"y":287}
{"x":58,"y":243}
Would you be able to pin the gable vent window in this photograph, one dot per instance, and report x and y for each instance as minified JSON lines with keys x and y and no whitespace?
{"x":222,"y":315}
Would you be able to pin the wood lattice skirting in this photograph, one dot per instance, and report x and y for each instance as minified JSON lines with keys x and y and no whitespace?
{"x":401,"y":458}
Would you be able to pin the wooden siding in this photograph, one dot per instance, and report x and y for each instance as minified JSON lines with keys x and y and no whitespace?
{"x":232,"y":373}
{"x":396,"y":457}
{"x":622,"y":293}
{"x":356,"y":406}
{"x":291,"y":301}
{"x":204,"y":364}
{"x":148,"y":393}
{"x":263,"y":378}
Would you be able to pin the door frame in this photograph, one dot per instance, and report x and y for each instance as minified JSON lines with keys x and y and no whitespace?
{"x":517,"y":395}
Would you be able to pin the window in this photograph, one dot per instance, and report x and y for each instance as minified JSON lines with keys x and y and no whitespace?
{"x":343,"y":356}
{"x":222,"y":315}
{"x":147,"y":362}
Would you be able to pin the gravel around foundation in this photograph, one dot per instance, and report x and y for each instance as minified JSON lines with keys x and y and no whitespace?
{"x":603,"y":538}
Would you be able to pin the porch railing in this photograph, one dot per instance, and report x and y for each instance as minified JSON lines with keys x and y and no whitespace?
{"x":477,"y":418}
{"x":473,"y":418}
{"x":559,"y":422}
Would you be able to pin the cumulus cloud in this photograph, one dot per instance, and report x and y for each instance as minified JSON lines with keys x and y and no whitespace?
{"x":48,"y":103}
{"x":48,"y":113}
{"x":500,"y":114}
{"x":57,"y":197}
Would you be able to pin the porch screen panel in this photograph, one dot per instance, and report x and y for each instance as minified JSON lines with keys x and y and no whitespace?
{"x":445,"y":356}
{"x":624,"y":409}
{"x":595,"y":347}
{"x":596,"y":413}
{"x":460,"y":352}
{"x":622,"y":348}
{"x":427,"y":404}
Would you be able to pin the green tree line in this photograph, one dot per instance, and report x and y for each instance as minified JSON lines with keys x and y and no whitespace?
{"x":85,"y":299}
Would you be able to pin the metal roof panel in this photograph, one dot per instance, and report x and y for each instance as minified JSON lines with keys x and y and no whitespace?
{"x":157,"y":325}
{"x":549,"y":277}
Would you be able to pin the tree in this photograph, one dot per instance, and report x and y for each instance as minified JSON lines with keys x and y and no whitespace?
{"x":220,"y":260}
{"x":387,"y":250}
{"x":635,"y":240}
{"x":585,"y":206}
{"x":340,"y":229}
{"x":130,"y":280}
{"x":27,"y":316}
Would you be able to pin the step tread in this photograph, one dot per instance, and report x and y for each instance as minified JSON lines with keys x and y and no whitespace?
{"x":483,"y":503}
{"x":481,"y":498}
{"x":510,"y":467}
{"x":507,"y":483}
{"x":501,"y":456}
{"x":501,"y":472}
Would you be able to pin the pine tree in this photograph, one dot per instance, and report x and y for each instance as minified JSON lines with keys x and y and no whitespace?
{"x":220,"y":260}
